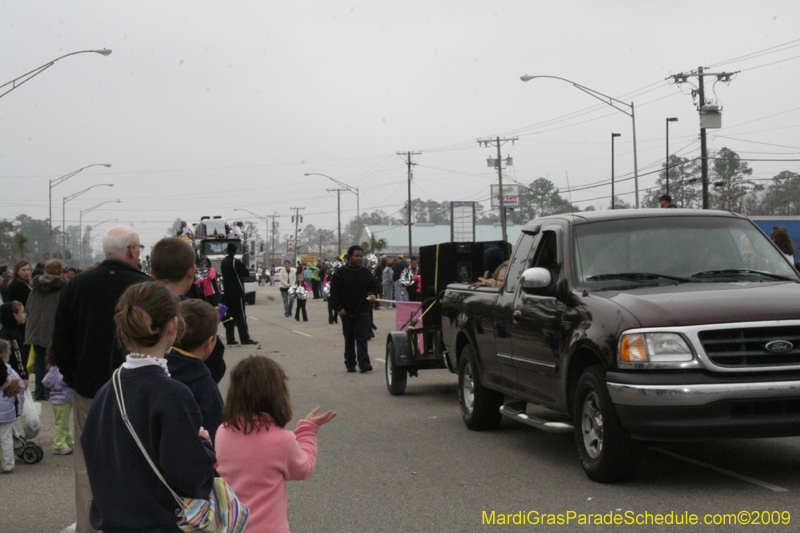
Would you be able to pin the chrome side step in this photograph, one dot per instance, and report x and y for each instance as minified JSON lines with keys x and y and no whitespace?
{"x":514,"y":413}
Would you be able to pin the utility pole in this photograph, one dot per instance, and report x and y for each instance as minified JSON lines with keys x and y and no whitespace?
{"x":338,"y":215}
{"x":296,"y":218}
{"x":410,"y":175}
{"x":272,"y":240}
{"x":498,"y":163}
{"x":613,"y":136}
{"x":702,"y":109}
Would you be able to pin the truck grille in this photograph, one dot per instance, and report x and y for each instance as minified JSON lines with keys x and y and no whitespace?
{"x":746,"y":347}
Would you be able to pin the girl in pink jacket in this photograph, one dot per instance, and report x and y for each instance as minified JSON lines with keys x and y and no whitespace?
{"x":256,"y":455}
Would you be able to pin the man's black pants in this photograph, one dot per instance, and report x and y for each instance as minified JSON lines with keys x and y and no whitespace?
{"x":356,"y":331}
{"x":236,"y":312}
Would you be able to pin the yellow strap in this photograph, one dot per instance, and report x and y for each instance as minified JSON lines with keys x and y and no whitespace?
{"x":436,"y":276}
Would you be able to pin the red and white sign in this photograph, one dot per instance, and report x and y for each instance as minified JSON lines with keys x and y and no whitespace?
{"x":510,"y":195}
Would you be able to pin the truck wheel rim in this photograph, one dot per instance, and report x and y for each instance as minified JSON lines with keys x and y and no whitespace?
{"x":468,"y":388}
{"x":592,"y":425}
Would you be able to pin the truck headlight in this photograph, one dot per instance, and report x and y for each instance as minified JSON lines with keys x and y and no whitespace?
{"x":654,"y":348}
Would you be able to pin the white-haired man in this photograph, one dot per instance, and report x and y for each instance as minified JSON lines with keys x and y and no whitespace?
{"x":84,"y":344}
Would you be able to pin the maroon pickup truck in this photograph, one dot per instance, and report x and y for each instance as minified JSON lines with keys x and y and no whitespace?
{"x":629,"y":326}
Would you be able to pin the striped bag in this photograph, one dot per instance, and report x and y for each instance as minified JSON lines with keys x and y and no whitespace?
{"x":222,"y":512}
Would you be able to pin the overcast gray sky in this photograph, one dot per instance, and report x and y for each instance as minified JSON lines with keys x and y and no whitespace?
{"x":204,"y":107}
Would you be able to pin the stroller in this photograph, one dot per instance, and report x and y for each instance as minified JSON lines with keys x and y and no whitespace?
{"x":27,"y":450}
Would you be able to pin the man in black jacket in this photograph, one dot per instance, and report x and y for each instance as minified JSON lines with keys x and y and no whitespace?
{"x":352,"y":293}
{"x":233,"y":271}
{"x":84,"y":340}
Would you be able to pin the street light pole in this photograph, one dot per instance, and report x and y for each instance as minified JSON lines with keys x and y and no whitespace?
{"x":53,"y":183}
{"x":666,"y":163}
{"x":64,"y":201}
{"x":613,"y":102}
{"x":266,"y":226}
{"x":613,"y":135}
{"x":80,"y":227}
{"x":35,"y":72}
{"x":346,"y":187}
{"x":338,"y":215}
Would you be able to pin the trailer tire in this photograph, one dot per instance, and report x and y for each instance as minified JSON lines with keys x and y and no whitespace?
{"x":480,"y":407}
{"x":608,"y":453}
{"x":396,"y":378}
{"x":250,"y":298}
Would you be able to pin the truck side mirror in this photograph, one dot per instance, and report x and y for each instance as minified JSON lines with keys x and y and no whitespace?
{"x":536,"y":278}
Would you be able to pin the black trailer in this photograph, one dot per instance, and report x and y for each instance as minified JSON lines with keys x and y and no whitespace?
{"x":418,"y":345}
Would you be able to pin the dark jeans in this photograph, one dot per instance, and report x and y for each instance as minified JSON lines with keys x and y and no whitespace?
{"x":301,"y":305}
{"x":356,"y":331}
{"x":41,"y":392}
{"x":287,"y":303}
{"x":333,"y":317}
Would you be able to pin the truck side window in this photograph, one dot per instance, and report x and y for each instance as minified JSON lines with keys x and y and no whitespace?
{"x":518,"y":262}
{"x":547,"y":255}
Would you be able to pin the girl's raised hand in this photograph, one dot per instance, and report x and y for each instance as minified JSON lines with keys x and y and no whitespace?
{"x":321,"y":419}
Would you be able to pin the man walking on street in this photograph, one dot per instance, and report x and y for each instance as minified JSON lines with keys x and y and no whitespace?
{"x":233,"y":271}
{"x":352,"y":294}
{"x":84,"y":345}
{"x":288,"y":278}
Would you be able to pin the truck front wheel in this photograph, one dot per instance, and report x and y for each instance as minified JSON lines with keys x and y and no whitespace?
{"x":607,"y":452}
{"x":480,"y":407}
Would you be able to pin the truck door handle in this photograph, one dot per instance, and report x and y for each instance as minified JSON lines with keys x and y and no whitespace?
{"x":516,"y":316}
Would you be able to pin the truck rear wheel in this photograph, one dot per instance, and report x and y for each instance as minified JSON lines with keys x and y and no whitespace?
{"x":480,"y":407}
{"x":608,"y":454}
{"x":395,"y":377}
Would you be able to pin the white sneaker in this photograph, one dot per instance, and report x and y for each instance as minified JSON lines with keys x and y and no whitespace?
{"x":65,"y":451}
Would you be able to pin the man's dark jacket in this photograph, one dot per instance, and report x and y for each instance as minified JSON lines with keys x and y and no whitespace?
{"x":84,"y":338}
{"x":350,"y":288}
{"x":233,"y":271}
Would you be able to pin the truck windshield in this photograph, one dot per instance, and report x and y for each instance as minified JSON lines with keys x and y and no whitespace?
{"x":662,"y":250}
{"x":219,"y":247}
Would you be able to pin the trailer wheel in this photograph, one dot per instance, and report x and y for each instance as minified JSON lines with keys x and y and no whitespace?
{"x":250,"y":298}
{"x":480,"y":407}
{"x":608,"y":453}
{"x":396,"y":378}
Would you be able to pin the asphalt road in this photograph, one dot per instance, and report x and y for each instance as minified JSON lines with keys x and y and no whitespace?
{"x":409,"y":464}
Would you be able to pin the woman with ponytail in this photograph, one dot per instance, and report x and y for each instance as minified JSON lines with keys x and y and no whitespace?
{"x":127,"y":494}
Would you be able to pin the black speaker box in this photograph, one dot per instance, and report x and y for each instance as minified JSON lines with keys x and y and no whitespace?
{"x":451,"y":262}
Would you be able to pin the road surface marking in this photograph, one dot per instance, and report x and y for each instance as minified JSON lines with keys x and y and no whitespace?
{"x":303,"y":334}
{"x":381,"y":360}
{"x":252,"y":318}
{"x":764,"y":484}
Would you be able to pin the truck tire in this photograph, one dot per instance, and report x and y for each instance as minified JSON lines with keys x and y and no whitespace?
{"x":250,"y":298}
{"x":607,"y":452}
{"x":395,"y":377}
{"x":480,"y":407}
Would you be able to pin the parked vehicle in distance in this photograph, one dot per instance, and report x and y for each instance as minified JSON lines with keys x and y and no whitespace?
{"x":632,"y":326}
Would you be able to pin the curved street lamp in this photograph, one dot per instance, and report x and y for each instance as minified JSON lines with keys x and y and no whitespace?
{"x":53,"y":183}
{"x":69,"y":198}
{"x":266,"y":223}
{"x":35,"y":72}
{"x":613,"y":102}
{"x":80,"y":226}
{"x":345,"y":187}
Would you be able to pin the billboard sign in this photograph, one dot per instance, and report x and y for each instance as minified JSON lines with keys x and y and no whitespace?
{"x":510,"y":195}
